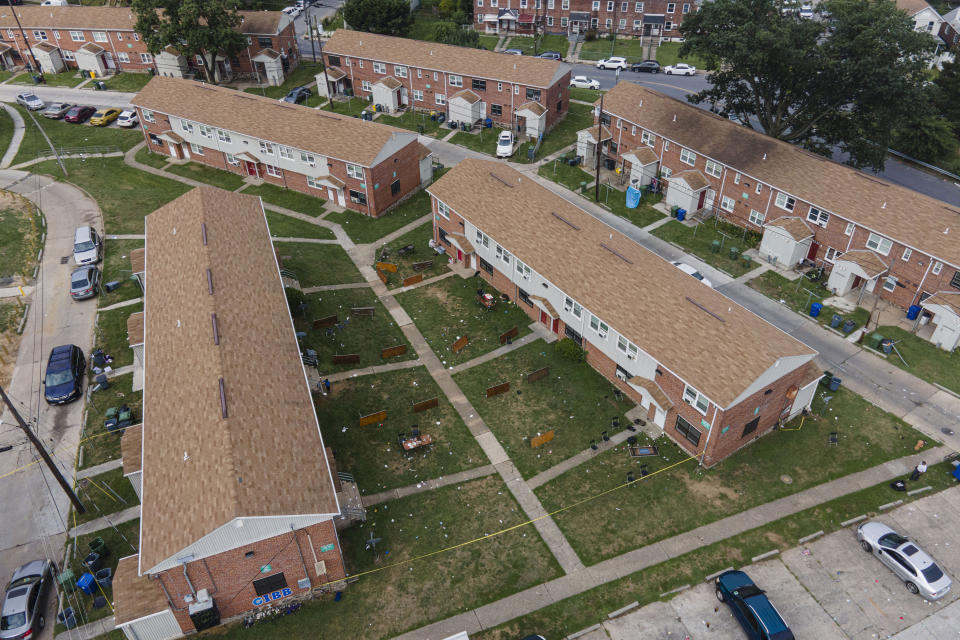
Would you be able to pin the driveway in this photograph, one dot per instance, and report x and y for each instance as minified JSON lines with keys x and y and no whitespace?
{"x":9,"y":92}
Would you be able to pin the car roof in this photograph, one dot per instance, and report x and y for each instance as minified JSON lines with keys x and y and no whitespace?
{"x":16,"y":600}
{"x":32,"y":568}
{"x":82,"y":234}
{"x":767,"y":613}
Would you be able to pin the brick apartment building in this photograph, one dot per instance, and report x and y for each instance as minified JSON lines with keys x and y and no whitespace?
{"x":238,"y":495}
{"x":102,"y":39}
{"x":624,"y":18}
{"x":711,"y":374}
{"x":870,"y":234}
{"x":468,"y":85}
{"x":360,"y":165}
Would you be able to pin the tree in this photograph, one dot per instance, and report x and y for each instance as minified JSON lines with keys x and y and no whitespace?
{"x":202,"y":28}
{"x":947,"y":99}
{"x":930,"y":138}
{"x":389,"y":17}
{"x":448,"y":33}
{"x":844,"y":83}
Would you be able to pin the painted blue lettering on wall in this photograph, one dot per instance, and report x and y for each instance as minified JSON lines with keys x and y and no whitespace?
{"x":270,"y":597}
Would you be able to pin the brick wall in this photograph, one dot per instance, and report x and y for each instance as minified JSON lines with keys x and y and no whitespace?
{"x":403,"y":167}
{"x":118,"y":43}
{"x":554,"y":18}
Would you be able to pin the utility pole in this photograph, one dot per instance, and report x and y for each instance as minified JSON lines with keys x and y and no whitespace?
{"x":43,"y":454}
{"x":26,"y":41}
{"x":596,"y":187}
{"x":310,"y":32}
{"x":326,"y":78}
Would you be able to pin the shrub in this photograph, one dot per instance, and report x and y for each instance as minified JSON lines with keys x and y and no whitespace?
{"x":590,"y":35}
{"x":570,"y":350}
{"x":295,"y":298}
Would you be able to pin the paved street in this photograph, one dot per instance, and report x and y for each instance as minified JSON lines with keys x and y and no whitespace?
{"x":9,"y":92}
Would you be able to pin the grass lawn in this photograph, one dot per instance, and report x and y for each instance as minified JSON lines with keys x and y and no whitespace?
{"x":69,"y":78}
{"x":155,"y":160}
{"x":99,"y":445}
{"x":590,"y":607}
{"x":304,"y":75}
{"x":371,"y":453}
{"x":629,"y":48}
{"x":364,"y":229}
{"x":6,"y":130}
{"x":5,"y":75}
{"x":548,"y":42}
{"x":284,"y":226}
{"x":483,"y":140}
{"x":20,"y":232}
{"x":10,"y":315}
{"x":125,"y":194}
{"x":352,"y":107}
{"x":800,"y":294}
{"x":575,"y":401}
{"x":425,"y":24}
{"x":317,"y":264}
{"x":407,"y":597}
{"x":868,"y":436}
{"x":64,"y":134}
{"x":111,"y":333}
{"x":412,"y":120}
{"x":129,"y":82}
{"x":116,"y":266}
{"x":98,"y":500}
{"x":564,"y":134}
{"x":287,"y":198}
{"x":698,"y":241}
{"x":616,"y":201}
{"x":562,"y":173}
{"x":489,"y":42}
{"x":926,"y":360}
{"x":667,"y":54}
{"x":419,"y":238}
{"x":202,"y":173}
{"x":586,"y":95}
{"x":362,"y":335}
{"x":446,"y":310}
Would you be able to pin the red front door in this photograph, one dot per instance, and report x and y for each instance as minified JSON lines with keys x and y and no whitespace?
{"x":556,"y":325}
{"x":544,"y":318}
{"x":703,"y":198}
{"x":459,"y":255}
{"x":812,"y":254}
{"x":252,"y":169}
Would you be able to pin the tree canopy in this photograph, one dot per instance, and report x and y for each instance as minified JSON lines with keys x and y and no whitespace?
{"x":388,"y":17}
{"x":948,"y":92}
{"x":843,"y":80}
{"x":448,"y":33}
{"x":195,"y":27}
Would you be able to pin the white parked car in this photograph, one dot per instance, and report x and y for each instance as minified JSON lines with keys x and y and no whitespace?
{"x":919,"y":572}
{"x":806,"y":11}
{"x":128,"y":119}
{"x":505,"y":144}
{"x":54,"y":3}
{"x":293,"y":12}
{"x":583,"y":82}
{"x":687,"y":269}
{"x":612,"y":63}
{"x":30,"y":101}
{"x":680,"y":69}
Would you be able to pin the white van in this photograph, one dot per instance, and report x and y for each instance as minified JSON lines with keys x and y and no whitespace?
{"x":54,"y":3}
{"x":87,"y":246}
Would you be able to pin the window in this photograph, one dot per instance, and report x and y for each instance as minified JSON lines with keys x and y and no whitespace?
{"x":523,"y":270}
{"x":906,"y":254}
{"x":39,"y":35}
{"x":266,"y":147}
{"x":638,"y":7}
{"x":493,"y":3}
{"x":123,"y":56}
{"x":499,"y":86}
{"x":686,"y":7}
{"x":563,"y":22}
{"x":955,"y":280}
{"x":147,"y":115}
{"x":890,"y":283}
{"x":273,"y":171}
{"x":478,"y":85}
{"x":525,"y":297}
{"x":313,"y":183}
{"x":756,"y":217}
{"x":666,"y":172}
{"x":594,"y":22}
{"x":496,"y":110}
{"x":479,"y":4}
{"x":355,"y":171}
{"x":849,"y":230}
{"x":308,"y":159}
{"x":637,"y":25}
{"x":818,"y":217}
{"x":232,"y":159}
{"x":608,"y":23}
{"x":671,"y":7}
{"x":759,"y":187}
{"x":696,"y":399}
{"x":359,"y":63}
{"x":726,"y":203}
{"x":523,"y":4}
{"x":486,"y":266}
{"x":223,"y":136}
{"x":667,"y":26}
{"x":565,"y":5}
{"x":647,"y":138}
{"x":624,"y":6}
{"x":714,"y":168}
{"x":434,"y":76}
{"x":207,"y":132}
{"x":399,"y":71}
{"x":146,"y":58}
{"x":417,"y":95}
{"x":832,"y":254}
{"x":379,"y":67}
{"x":456,"y":81}
{"x":533,"y":94}
{"x":358,"y":197}
{"x":68,"y":55}
{"x":186,"y":125}
{"x":394,"y":187}
{"x":136,"y":37}
{"x":785,"y":202}
{"x":443,"y":210}
{"x":333,"y":60}
{"x":688,"y":157}
{"x":99,"y":36}
{"x":627,"y":347}
{"x":419,"y":73}
{"x":736,"y":178}
{"x":77,"y":36}
{"x":366,"y":86}
{"x":937,"y":268}
{"x":10,"y":34}
{"x":516,"y":89}
{"x":882,"y":245}
{"x":623,"y":23}
{"x":155,"y":140}
{"x":599,"y":327}
{"x":197,"y":149}
{"x":503,"y":254}
{"x":483,"y":239}
{"x":549,"y":21}
{"x":440,"y":99}
{"x":596,"y":5}
{"x":688,"y":431}
{"x":265,"y":42}
{"x":610,"y":5}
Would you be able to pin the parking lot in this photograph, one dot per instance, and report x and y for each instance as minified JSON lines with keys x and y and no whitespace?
{"x":826,"y":589}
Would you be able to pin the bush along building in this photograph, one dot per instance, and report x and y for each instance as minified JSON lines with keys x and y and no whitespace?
{"x":353,"y":163}
{"x":708,"y":372}
{"x":872,"y":236}
{"x":238,"y":493}
{"x":529,"y":95}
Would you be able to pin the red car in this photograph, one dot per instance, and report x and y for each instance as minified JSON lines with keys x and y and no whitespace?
{"x":79,"y":114}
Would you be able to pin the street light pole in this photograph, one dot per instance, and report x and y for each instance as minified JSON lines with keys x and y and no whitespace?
{"x":26,"y":41}
{"x":596,"y":188}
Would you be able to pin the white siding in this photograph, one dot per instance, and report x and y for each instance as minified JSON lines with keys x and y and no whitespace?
{"x":136,"y":479}
{"x":155,"y":627}
{"x":785,"y":250}
{"x":780,"y":368}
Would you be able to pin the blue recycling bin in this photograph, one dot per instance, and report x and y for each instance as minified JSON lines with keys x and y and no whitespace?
{"x":87,"y":583}
{"x":488,"y":123}
{"x":913,"y":312}
{"x":815,"y":309}
{"x":835,"y":321}
{"x":67,"y":618}
{"x":834,"y":383}
{"x":681,"y":215}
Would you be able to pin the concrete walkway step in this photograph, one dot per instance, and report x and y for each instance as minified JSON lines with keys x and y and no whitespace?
{"x":100,"y":468}
{"x":428,"y":485}
{"x":335,"y":287}
{"x":109,"y":520}
{"x":120,"y":305}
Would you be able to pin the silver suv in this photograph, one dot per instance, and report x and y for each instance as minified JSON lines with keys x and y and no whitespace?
{"x":902,"y":556}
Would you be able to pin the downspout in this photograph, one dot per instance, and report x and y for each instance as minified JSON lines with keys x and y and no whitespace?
{"x":716,"y":409}
{"x":210,"y":575}
{"x":117,"y":56}
{"x":193,"y":591}
{"x":296,"y":541}
{"x":922,"y":280}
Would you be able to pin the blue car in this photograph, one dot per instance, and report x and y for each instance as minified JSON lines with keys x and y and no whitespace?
{"x":64,"y":378}
{"x":758,"y":617}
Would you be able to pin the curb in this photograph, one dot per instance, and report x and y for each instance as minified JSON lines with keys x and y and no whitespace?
{"x":853,"y":520}
{"x":23,"y":320}
{"x":622,"y":610}
{"x":583,"y":632}
{"x":714,"y":575}
{"x":764,"y":556}
{"x":889,"y":505}
{"x":677,"y":590}
{"x":920,"y":490}
{"x":810,"y":537}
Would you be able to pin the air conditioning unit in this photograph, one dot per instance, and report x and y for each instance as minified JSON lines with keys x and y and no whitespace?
{"x":203,"y":595}
{"x":621,"y":375}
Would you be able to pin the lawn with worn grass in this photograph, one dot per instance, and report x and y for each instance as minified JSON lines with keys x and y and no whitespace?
{"x":317,"y":264}
{"x":65,"y":135}
{"x":116,"y":267}
{"x":867,"y":436}
{"x":489,"y":42}
{"x":20,"y":232}
{"x":98,"y":444}
{"x":544,"y":42}
{"x":574,"y":401}
{"x":372,"y":453}
{"x":419,"y":238}
{"x":481,"y":139}
{"x":630,"y":48}
{"x":6,"y":130}
{"x":209,"y":175}
{"x":586,"y":95}
{"x":10,"y":315}
{"x":5,"y":75}
{"x":561,"y":172}
{"x":395,"y":600}
{"x":125,"y":195}
{"x":363,"y":335}
{"x":668,"y":53}
{"x":925,"y":359}
{"x":698,"y":240}
{"x":129,"y":82}
{"x":151,"y":159}
{"x":287,"y":199}
{"x":69,"y":78}
{"x":304,"y":75}
{"x":800,"y":294}
{"x":111,"y":332}
{"x":102,"y":495}
{"x":284,"y":226}
{"x":364,"y":229}
{"x":413,"y":121}
{"x":615,"y":200}
{"x":563,"y":134}
{"x":591,"y":607}
{"x":352,"y":106}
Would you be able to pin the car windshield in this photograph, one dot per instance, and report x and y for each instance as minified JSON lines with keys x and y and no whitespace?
{"x":74,"y":111}
{"x":30,"y":97}
{"x":84,"y":246}
{"x":23,"y":580}
{"x":891,"y":540}
{"x":932,"y":573}
{"x":56,"y":378}
{"x":99,"y":114}
{"x":13,"y":621}
{"x":79,"y":279}
{"x":749,"y":591}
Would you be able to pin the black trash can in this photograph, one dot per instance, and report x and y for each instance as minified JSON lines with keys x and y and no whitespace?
{"x":92,"y":562}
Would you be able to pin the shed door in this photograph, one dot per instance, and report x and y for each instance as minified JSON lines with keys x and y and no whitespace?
{"x":703,"y":198}
{"x":812,"y":254}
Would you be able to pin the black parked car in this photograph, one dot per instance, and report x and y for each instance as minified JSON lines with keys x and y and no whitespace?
{"x":64,"y":378}
{"x":648,"y":66}
{"x":298,"y":95}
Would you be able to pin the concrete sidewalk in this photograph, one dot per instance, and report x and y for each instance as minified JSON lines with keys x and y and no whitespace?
{"x":109,"y":520}
{"x":19,"y":130}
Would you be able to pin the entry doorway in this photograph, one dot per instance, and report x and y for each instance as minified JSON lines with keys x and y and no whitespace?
{"x":703,"y":198}
{"x":812,"y":254}
{"x":459,"y":255}
{"x":252,"y":169}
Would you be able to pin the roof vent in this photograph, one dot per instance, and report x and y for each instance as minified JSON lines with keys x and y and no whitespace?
{"x":203,"y":230}
{"x":501,"y":180}
{"x":223,"y":401}
{"x":704,"y":309}
{"x":641,"y":103}
{"x":883,"y":206}
{"x":209,"y":282}
{"x":174,"y":231}
{"x":616,"y":253}
{"x":216,"y":331}
{"x":562,"y":219}
{"x":764,"y":156}
{"x":674,"y":117}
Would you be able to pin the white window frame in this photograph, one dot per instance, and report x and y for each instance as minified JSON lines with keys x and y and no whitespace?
{"x":876,"y":242}
{"x":565,"y":5}
{"x":736,"y":178}
{"x":456,"y":81}
{"x":39,"y":35}
{"x":419,"y":73}
{"x":267,"y":148}
{"x":308,"y":159}
{"x":638,"y":7}
{"x":671,"y":7}
{"x":648,"y":139}
{"x":524,"y":271}
{"x":832,"y":254}
{"x":785,"y":202}
{"x":146,"y":58}
{"x":197,"y":149}
{"x":366,"y":86}
{"x":443,"y":210}
{"x":572,"y":306}
{"x":186,"y":125}
{"x":314,"y":184}
{"x":727,"y":203}
{"x":756,"y":217}
{"x":286,"y":153}
{"x":440,"y":99}
{"x":77,"y":36}
{"x":400,"y":71}
{"x":68,"y":55}
{"x":937,"y":268}
{"x":208,"y":132}
{"x":418,"y":95}
{"x":354,"y":171}
{"x":123,"y":56}
{"x":688,"y":157}
{"x":818,"y":217}
{"x":890,"y":283}
{"x":100,"y":36}
{"x":273,"y":170}
{"x":147,"y":115}
{"x":759,"y":188}
{"x":599,"y":327}
{"x":849,"y":229}
{"x":503,"y":254}
{"x":693,"y":398}
{"x":232,"y":159}
{"x":714,"y":169}
{"x":483,"y":239}
{"x":223,"y":136}
{"x":906,"y":254}
{"x":380,"y":67}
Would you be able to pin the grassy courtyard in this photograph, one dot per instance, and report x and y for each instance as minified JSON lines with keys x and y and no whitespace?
{"x":111,"y":331}
{"x":351,"y":107}
{"x":69,"y":78}
{"x":202,"y":173}
{"x":363,"y":335}
{"x":116,"y":267}
{"x":304,"y":75}
{"x":629,"y":48}
{"x":547,"y":42}
{"x":586,"y":95}
{"x":925,"y":359}
{"x":699,"y":239}
{"x":574,"y":401}
{"x":446,"y":310}
{"x":372,"y":453}
{"x":155,"y":160}
{"x":129,"y":82}
{"x":800,"y":294}
{"x":317,"y":264}
{"x":419,"y":238}
{"x":364,"y":229}
{"x":64,"y":134}
{"x":99,"y":445}
{"x":482,"y":140}
{"x":562,"y":173}
{"x":616,"y":201}
{"x":287,"y":198}
{"x":669,"y":53}
{"x":20,"y":232}
{"x":97,"y":496}
{"x":284,"y":226}
{"x":412,"y":120}
{"x":602,"y":528}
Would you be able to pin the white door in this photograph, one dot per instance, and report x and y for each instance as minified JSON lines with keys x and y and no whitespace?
{"x":340,"y":197}
{"x":108,"y":57}
{"x":331,"y":194}
{"x":186,"y":150}
{"x":173,"y":150}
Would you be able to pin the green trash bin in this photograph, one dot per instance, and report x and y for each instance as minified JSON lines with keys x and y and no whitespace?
{"x":99,"y":547}
{"x":875,"y":340}
{"x":734,"y":253}
{"x":583,"y":187}
{"x":673,"y":211}
{"x":747,"y":262}
{"x":66,"y":581}
{"x":715,"y":246}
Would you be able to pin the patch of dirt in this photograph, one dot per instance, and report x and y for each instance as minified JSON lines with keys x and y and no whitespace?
{"x":10,"y":316}
{"x":439,"y":293}
{"x":707,"y":490}
{"x":779,"y":541}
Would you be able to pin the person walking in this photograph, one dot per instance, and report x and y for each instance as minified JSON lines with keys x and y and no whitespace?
{"x":919,"y":470}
